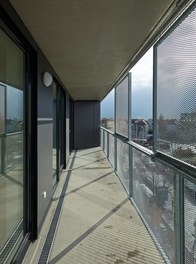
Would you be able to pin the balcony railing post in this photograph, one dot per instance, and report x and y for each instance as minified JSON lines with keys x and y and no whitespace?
{"x":179,"y":220}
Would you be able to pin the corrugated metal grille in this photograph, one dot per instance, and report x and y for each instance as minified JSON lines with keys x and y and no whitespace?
{"x":153,"y":192}
{"x":190,"y":222}
{"x":176,"y":90}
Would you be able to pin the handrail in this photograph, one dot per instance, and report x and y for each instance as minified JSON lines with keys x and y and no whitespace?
{"x":107,"y":130}
{"x":148,"y":152}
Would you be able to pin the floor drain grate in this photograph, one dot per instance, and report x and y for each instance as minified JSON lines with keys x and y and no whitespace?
{"x":50,"y":237}
{"x":7,"y":249}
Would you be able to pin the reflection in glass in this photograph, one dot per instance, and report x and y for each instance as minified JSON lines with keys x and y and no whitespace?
{"x":176,"y":91}
{"x":122,"y":108}
{"x":141,"y":100}
{"x":123,"y":163}
{"x":107,"y":111}
{"x":153,"y":191}
{"x":12,"y":71}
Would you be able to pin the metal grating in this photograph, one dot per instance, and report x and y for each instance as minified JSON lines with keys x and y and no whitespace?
{"x":51,"y":233}
{"x":153,"y":192}
{"x":190,"y":221}
{"x":176,"y":90}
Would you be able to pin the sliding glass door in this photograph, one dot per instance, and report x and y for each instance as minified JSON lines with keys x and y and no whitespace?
{"x":12,"y":145}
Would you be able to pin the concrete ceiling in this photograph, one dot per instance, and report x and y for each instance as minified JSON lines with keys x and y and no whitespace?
{"x":89,"y":42}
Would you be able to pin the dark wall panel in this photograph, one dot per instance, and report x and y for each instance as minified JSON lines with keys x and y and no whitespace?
{"x":86,"y":124}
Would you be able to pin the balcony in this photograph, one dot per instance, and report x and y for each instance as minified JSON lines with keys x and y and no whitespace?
{"x":91,"y":219}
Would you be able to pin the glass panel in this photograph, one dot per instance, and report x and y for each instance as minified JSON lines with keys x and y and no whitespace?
{"x":123,"y":163}
{"x":12,"y":77}
{"x":176,"y":91}
{"x":141,"y":100}
{"x":190,"y":221}
{"x":122,"y":108}
{"x":153,"y":192}
{"x":111,"y":149}
{"x":107,"y":111}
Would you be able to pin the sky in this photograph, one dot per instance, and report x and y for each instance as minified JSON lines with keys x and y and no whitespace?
{"x":141,"y":90}
{"x":176,"y":76}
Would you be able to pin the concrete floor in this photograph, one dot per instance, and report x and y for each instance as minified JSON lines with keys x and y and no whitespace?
{"x":97,"y":224}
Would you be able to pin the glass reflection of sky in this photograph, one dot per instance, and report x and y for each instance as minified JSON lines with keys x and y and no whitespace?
{"x":107,"y":106}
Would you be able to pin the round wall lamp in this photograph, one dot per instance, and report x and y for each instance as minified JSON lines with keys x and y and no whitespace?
{"x":47,"y":79}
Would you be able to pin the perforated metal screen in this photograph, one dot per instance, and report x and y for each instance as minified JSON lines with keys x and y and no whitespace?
{"x":111,"y":150}
{"x":176,"y":90}
{"x":123,"y":163}
{"x":153,"y":192}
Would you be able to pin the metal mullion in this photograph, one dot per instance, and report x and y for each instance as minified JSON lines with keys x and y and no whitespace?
{"x":154,"y":99}
{"x":179,"y":220}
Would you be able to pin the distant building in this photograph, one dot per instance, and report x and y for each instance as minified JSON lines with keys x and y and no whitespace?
{"x":187,"y":128}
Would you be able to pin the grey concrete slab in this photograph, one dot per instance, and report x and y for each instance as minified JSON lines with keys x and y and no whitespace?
{"x":98,"y":224}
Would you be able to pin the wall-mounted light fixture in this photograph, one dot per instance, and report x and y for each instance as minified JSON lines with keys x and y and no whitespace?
{"x":47,"y":79}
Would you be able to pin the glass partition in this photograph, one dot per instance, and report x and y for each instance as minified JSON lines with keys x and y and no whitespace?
{"x":122,"y":107}
{"x":12,"y":146}
{"x":141,"y":100}
{"x":107,"y":111}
